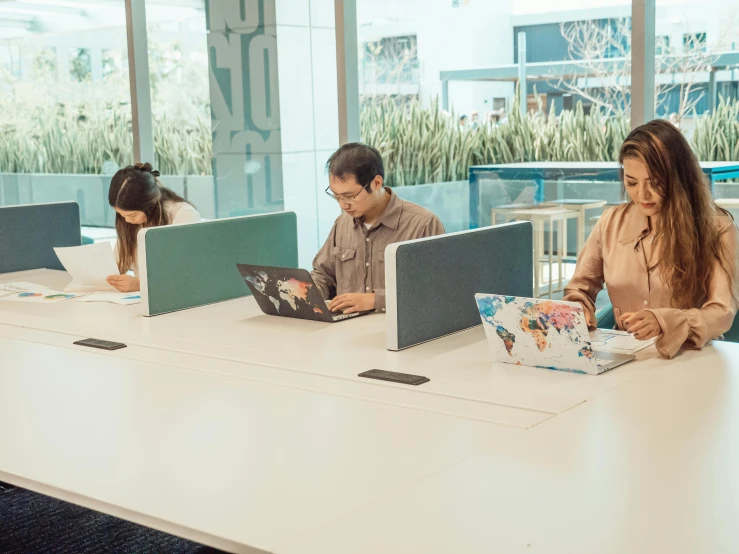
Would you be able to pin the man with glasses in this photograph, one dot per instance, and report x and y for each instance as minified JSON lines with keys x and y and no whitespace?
{"x":350,"y":268}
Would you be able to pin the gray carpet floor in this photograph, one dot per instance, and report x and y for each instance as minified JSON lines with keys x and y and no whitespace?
{"x":31,"y":523}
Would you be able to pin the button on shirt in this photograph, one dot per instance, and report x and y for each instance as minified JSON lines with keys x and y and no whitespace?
{"x":353,"y":258}
{"x":614,"y":254}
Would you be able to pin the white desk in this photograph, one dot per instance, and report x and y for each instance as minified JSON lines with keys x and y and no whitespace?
{"x":318,"y":356}
{"x":650,"y":467}
{"x":249,"y":467}
{"x":207,"y":428}
{"x":235,"y":464}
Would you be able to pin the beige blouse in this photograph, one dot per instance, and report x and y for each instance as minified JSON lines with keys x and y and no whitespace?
{"x":614,"y":254}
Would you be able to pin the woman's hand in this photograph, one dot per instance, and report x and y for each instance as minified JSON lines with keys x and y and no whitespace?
{"x":124,"y":283}
{"x":643,"y":325}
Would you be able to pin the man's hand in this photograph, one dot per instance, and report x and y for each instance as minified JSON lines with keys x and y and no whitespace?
{"x":643,"y":325}
{"x":124,"y":283}
{"x":353,"y":302}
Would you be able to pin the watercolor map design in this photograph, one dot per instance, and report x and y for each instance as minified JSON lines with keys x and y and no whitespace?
{"x":533,"y":331}
{"x":288,"y":293}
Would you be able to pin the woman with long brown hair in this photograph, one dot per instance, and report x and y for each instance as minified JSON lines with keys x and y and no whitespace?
{"x":669,"y":256}
{"x":140,"y":200}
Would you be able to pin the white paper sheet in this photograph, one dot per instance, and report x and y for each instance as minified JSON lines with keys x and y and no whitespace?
{"x":89,"y":265}
{"x":618,"y":342}
{"x":122,"y":298}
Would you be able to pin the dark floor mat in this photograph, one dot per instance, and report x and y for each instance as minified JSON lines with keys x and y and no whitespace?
{"x":31,"y":523}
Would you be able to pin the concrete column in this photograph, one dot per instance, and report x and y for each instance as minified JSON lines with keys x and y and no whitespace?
{"x":96,"y":64}
{"x":522,"y":81}
{"x":138,"y":69}
{"x":347,"y":67}
{"x":642,"y":61}
{"x":712,"y":91}
{"x":274,"y":106}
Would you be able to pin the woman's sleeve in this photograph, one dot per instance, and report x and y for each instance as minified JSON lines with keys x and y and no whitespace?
{"x":693,"y":328}
{"x":588,"y":279}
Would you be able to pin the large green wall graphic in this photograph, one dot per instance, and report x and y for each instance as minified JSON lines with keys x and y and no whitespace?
{"x":245,"y":111}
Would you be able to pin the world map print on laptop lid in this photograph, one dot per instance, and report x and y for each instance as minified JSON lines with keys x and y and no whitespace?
{"x":538,"y":333}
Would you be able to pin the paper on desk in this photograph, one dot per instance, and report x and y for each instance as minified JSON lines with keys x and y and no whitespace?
{"x":28,"y":292}
{"x":122,"y":298}
{"x":88,"y":265}
{"x":618,"y":342}
{"x":6,"y":289}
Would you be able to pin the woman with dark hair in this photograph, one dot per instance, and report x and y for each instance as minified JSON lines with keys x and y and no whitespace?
{"x":140,"y":200}
{"x":668,"y":257}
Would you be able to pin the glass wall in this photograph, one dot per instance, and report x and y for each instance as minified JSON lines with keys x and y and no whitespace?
{"x":244,"y":101}
{"x":698,"y":81}
{"x":65,"y":103}
{"x":244,"y":104}
{"x":435,"y":107}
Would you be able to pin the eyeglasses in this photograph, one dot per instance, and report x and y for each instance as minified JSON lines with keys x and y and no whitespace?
{"x":344,"y":198}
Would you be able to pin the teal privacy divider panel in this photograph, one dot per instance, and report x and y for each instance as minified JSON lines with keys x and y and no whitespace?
{"x":430,"y":283}
{"x":184,"y":266}
{"x":29,"y":234}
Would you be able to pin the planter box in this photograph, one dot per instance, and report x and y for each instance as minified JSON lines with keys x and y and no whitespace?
{"x":91,"y":193}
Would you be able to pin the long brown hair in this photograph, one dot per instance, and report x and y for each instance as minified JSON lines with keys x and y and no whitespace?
{"x":136,"y":188}
{"x":688,"y":238}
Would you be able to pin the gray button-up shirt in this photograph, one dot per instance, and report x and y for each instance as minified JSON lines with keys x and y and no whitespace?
{"x":353,"y":257}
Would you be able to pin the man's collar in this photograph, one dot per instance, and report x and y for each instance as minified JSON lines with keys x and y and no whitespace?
{"x":391,"y":216}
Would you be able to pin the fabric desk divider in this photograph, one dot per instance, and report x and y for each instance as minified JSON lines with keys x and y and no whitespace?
{"x":29,"y":234}
{"x":430,"y":283}
{"x":184,"y":266}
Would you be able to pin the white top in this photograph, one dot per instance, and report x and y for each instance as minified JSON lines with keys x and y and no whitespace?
{"x":181,"y":212}
{"x":178,"y":213}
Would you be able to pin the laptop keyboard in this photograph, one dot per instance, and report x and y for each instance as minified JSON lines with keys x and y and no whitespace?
{"x":339,"y":317}
{"x":345,"y":316}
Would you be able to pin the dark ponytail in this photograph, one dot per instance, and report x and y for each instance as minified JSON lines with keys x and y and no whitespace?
{"x":136,"y":188}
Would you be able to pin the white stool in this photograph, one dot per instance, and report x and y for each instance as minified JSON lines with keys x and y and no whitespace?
{"x":539,"y":218}
{"x":581,"y":205}
{"x":505,"y":210}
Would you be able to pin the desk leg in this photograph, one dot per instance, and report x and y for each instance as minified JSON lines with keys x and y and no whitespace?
{"x":562,"y":249}
{"x":551,"y":253}
{"x":537,"y":253}
{"x":540,"y":266}
{"x":539,"y":191}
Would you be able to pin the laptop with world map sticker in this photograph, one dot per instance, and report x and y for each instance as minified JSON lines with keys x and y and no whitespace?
{"x":289,"y":292}
{"x":547,"y":334}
